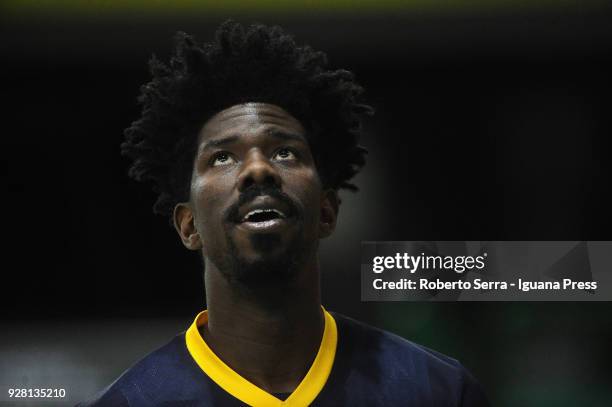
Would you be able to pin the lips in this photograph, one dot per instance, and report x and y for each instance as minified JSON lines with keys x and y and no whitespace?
{"x":263,"y":209}
{"x":263,"y":214}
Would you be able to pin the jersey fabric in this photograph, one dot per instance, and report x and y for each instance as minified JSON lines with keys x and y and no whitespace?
{"x":357,"y":365}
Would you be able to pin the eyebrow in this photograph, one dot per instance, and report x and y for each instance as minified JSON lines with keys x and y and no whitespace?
{"x":282,"y":135}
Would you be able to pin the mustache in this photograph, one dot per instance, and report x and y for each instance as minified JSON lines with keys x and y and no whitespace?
{"x":252,"y":192}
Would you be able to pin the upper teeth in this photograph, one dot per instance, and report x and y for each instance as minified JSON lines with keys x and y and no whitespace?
{"x":256,"y":211}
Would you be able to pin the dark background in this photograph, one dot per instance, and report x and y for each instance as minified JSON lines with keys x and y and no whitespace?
{"x":492,"y":123}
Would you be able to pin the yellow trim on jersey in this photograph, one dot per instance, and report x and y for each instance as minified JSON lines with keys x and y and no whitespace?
{"x":245,"y":391}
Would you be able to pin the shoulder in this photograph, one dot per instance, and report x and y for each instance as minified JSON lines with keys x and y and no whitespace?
{"x":165,"y":374}
{"x":387,"y":344}
{"x":396,"y":354}
{"x":406,"y":367}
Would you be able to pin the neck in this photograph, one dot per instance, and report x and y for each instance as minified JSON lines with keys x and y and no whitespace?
{"x":269,"y":336}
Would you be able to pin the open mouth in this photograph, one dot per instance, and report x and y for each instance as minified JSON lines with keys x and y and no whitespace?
{"x":264,"y":220}
{"x":263,"y":215}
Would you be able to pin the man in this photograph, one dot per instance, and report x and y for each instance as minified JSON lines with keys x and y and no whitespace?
{"x":247,"y":140}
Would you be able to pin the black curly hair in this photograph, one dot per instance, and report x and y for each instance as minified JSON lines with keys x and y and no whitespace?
{"x":243,"y":64}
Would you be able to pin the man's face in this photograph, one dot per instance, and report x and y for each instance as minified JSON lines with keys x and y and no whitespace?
{"x":257,"y":209}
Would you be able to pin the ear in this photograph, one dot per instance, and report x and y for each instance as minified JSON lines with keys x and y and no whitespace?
{"x":184,"y":225}
{"x":330,"y":203}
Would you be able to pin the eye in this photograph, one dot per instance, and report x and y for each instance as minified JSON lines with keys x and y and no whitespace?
{"x":222,"y":158}
{"x":284,"y":154}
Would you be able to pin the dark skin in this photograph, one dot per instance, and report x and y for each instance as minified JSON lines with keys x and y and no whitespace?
{"x":265,"y":328}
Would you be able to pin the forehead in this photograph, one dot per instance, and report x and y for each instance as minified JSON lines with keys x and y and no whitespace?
{"x":250,"y":119}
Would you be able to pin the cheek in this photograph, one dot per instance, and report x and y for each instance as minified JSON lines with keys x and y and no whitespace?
{"x":308,"y":191}
{"x":209,"y":200}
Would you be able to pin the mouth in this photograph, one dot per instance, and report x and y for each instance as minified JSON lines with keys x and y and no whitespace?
{"x":264,"y":214}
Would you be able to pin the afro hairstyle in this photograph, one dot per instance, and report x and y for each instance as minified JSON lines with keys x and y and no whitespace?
{"x":256,"y":63}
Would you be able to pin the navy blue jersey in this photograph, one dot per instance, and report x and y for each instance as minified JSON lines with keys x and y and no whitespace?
{"x":357,"y":365}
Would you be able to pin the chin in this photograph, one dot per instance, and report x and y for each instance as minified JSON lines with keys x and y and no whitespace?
{"x":265,"y":272}
{"x":259,"y":260}
{"x":267,"y":260}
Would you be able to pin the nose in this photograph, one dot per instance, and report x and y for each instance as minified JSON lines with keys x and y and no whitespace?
{"x":257,"y":170}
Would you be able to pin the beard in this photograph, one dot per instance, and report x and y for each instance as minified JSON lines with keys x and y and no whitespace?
{"x":268,"y":270}
{"x":271,"y":267}
{"x":272,"y":277}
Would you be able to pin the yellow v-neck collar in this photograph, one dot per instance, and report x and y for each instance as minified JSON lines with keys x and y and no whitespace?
{"x":247,"y":392}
